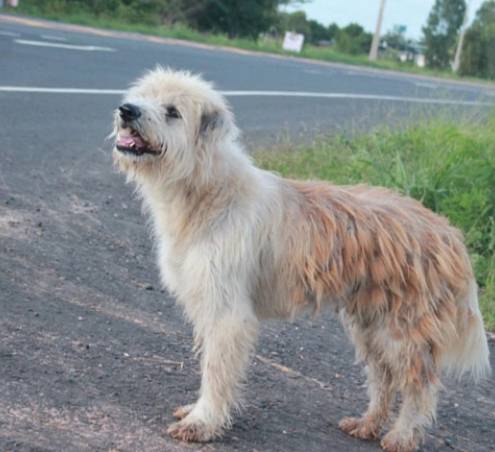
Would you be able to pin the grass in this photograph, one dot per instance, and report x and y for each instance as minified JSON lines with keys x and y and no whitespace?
{"x":449,"y":166}
{"x":183,"y":32}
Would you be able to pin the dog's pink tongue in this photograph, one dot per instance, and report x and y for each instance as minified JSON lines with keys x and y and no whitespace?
{"x":130,"y":141}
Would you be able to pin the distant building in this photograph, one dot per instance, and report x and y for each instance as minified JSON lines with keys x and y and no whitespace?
{"x":420,"y":60}
{"x":408,"y":52}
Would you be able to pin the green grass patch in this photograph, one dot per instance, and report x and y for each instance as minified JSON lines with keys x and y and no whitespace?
{"x":125,"y":21}
{"x":449,"y":166}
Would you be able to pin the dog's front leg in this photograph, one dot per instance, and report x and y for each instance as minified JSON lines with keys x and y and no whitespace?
{"x":227,"y":342}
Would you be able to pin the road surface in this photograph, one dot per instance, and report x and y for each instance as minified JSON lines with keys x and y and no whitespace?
{"x":93,"y":355}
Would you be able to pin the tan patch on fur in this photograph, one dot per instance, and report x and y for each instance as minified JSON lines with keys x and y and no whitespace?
{"x":385,"y":258}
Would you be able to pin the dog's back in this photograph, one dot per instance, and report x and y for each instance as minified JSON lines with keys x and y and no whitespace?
{"x":387,"y":263}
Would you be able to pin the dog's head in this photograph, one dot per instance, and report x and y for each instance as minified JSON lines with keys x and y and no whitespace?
{"x":171,"y":125}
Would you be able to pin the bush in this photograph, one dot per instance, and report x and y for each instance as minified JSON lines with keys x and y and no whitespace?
{"x":449,"y":166}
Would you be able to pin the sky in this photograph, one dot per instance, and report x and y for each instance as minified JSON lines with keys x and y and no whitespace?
{"x":411,"y":13}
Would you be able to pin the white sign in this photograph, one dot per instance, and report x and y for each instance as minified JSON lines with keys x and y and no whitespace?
{"x":293,"y":42}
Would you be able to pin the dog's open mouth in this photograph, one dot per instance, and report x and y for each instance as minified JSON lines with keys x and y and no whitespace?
{"x":130,"y":142}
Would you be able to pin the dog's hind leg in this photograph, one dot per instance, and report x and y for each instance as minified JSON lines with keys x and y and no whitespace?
{"x":419,"y":400}
{"x":227,"y":343}
{"x":381,"y":392}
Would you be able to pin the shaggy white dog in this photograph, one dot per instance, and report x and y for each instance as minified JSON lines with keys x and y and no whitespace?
{"x":237,"y":244}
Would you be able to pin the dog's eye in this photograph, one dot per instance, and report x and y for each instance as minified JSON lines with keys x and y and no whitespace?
{"x":172,"y":112}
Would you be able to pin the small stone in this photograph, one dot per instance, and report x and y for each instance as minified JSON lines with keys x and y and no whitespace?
{"x":448,"y":442}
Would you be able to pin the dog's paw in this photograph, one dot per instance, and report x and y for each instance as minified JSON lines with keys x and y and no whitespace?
{"x":348,"y":424}
{"x":191,"y":431}
{"x":182,"y":411}
{"x":395,"y":442}
{"x":361,"y":428}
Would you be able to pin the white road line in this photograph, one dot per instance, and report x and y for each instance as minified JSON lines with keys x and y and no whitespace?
{"x":34,"y":89}
{"x":426,"y":85}
{"x":308,"y":94}
{"x":63,"y":46}
{"x":379,"y":97}
{"x":53,"y":38}
{"x":312,"y":71}
{"x":9,"y":33}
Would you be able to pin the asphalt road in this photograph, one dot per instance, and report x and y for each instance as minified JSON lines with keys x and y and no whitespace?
{"x":261,"y":118}
{"x":93,"y":355}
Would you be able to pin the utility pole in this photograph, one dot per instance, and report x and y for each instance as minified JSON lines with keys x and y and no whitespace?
{"x":460,"y":43}
{"x":376,"y":37}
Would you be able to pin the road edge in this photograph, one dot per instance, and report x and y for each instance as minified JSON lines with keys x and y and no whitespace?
{"x":117,"y":34}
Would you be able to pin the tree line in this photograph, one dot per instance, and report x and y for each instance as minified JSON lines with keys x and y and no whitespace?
{"x":252,"y":18}
{"x":235,"y":18}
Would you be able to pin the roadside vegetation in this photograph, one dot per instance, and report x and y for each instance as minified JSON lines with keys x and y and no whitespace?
{"x":261,"y":24}
{"x":449,"y":166}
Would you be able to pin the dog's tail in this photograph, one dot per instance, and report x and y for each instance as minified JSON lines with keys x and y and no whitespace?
{"x":469,"y":353}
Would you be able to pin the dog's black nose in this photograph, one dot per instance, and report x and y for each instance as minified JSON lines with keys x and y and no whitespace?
{"x":129,"y":112}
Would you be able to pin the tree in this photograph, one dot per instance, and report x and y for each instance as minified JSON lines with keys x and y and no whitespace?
{"x":441,"y":32}
{"x":478,"y":55}
{"x":353,"y":39}
{"x":396,"y":39}
{"x":318,"y":32}
{"x":235,"y":17}
{"x":298,"y":22}
{"x":333,"y":31}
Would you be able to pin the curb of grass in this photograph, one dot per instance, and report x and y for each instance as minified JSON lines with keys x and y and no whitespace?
{"x":114,"y":33}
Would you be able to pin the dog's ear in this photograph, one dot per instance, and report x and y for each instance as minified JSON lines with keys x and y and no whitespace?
{"x":210,"y":121}
{"x":213,"y":127}
{"x":215,"y":124}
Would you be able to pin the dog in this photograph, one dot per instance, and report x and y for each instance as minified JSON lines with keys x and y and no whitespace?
{"x":237,"y":245}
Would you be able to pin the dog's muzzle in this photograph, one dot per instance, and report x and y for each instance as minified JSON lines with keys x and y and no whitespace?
{"x":129,"y":112}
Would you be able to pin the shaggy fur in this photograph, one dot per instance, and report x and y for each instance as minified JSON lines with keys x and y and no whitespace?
{"x":237,"y":244}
